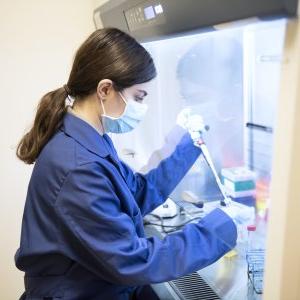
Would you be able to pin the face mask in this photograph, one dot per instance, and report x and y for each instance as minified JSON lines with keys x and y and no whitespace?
{"x":130,"y":118}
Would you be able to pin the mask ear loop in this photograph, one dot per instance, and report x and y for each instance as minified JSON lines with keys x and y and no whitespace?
{"x":123,"y":98}
{"x":126,"y":103}
{"x":103,"y":109}
{"x":102,"y":105}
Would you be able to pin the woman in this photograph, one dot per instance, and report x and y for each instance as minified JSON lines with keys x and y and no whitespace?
{"x":82,"y":231}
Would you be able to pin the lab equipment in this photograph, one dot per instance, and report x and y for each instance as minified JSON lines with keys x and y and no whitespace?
{"x":193,"y":123}
{"x":255,"y":268}
{"x":229,"y":88}
{"x":210,"y":163}
{"x":146,"y":23}
{"x":255,"y":259}
{"x":255,"y":239}
{"x":239,"y":181}
{"x":166,"y":210}
{"x":190,"y":197}
{"x":240,"y":213}
{"x":251,"y":243}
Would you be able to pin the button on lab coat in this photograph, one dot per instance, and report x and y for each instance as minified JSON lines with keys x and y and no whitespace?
{"x":82,"y":230}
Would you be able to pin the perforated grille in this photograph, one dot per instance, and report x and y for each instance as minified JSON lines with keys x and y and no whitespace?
{"x":193,"y":287}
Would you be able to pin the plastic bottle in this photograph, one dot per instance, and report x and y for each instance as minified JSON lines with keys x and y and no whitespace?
{"x":252,"y":241}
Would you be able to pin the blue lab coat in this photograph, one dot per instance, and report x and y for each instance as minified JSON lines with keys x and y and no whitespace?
{"x":82,"y":230}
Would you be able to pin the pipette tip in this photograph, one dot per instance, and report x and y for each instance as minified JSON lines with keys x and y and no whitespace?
{"x":223,"y":203}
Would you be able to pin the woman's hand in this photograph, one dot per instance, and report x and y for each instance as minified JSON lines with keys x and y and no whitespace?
{"x":193,"y":123}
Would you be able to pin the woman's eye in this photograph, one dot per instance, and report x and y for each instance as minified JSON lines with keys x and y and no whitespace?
{"x":138,"y":99}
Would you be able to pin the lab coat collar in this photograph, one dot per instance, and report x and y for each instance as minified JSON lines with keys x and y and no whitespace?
{"x":84,"y":134}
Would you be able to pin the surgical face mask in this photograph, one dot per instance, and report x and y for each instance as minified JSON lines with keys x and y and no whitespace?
{"x":130,"y":118}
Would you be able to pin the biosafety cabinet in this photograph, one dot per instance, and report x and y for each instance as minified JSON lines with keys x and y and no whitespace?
{"x":237,"y":63}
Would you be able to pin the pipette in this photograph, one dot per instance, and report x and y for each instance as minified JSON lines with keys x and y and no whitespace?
{"x":210,"y":163}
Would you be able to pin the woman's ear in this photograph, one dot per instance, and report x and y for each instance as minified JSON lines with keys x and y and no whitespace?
{"x":104,"y":88}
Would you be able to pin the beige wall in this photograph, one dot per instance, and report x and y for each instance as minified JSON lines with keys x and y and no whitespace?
{"x":37,"y":44}
{"x":97,"y":3}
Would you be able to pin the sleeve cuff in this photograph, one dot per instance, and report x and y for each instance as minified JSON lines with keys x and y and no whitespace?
{"x":188,"y":142}
{"x":222,"y":226}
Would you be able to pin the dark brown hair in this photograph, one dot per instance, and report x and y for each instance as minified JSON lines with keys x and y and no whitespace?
{"x":107,"y":53}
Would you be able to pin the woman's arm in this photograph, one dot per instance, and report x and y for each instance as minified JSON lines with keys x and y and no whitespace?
{"x":152,"y":189}
{"x":103,"y":239}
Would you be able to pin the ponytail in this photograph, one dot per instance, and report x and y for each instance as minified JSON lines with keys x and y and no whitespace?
{"x":48,"y":119}
{"x":106,"y":53}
